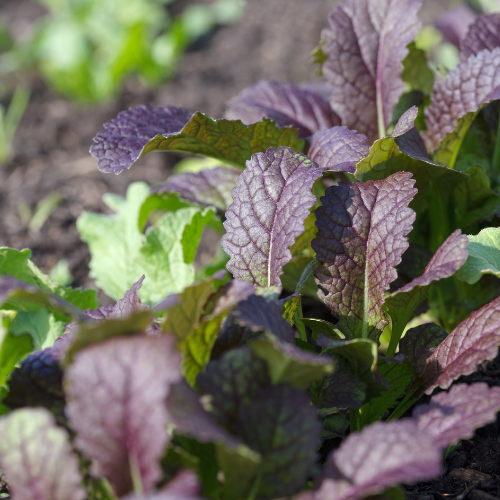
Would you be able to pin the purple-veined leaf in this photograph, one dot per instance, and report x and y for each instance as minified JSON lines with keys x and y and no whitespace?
{"x":138,"y":131}
{"x":456,"y":414}
{"x":362,"y":230}
{"x":272,"y":199}
{"x":36,"y":456}
{"x":289,"y":364}
{"x":284,"y":103}
{"x":211,"y":187}
{"x":338,"y":149}
{"x":123,"y":139}
{"x":419,"y":343}
{"x":37,"y":382}
{"x":473,"y":341}
{"x":483,"y":34}
{"x":401,"y":304}
{"x":365,"y":46}
{"x":232,"y":294}
{"x":464,"y":90}
{"x":454,"y":23}
{"x":232,"y":381}
{"x":280,"y":423}
{"x":116,"y":403}
{"x":381,"y":455}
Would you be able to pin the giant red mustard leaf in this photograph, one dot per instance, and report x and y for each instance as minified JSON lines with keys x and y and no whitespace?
{"x":284,"y":103}
{"x":138,"y":131}
{"x":456,"y":414}
{"x":272,"y":199}
{"x":338,"y":148}
{"x":381,"y":455}
{"x":210,"y":187}
{"x":362,"y":230}
{"x":365,"y":46}
{"x":116,"y":403}
{"x":464,"y":90}
{"x":36,"y":456}
{"x":474,"y":340}
{"x":483,"y":34}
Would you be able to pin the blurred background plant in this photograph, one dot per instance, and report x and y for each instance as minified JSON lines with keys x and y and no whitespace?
{"x":86,"y":48}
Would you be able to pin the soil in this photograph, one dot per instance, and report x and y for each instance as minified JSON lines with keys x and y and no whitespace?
{"x":50,"y":155}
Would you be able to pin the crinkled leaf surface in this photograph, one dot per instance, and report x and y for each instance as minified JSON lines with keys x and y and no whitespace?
{"x":289,"y":364}
{"x":284,"y":103}
{"x":449,"y":257}
{"x":464,"y":90}
{"x":381,"y":455}
{"x":210,"y":187}
{"x":36,"y":456}
{"x":338,"y":149}
{"x":484,"y":256}
{"x":132,"y":376}
{"x":272,"y":199}
{"x":362,"y":230}
{"x":456,"y":414}
{"x":341,"y":389}
{"x":365,"y":46}
{"x":37,"y":382}
{"x":483,"y":34}
{"x":17,"y":263}
{"x":474,"y":340}
{"x":282,"y":426}
{"x":419,"y":343}
{"x":232,"y":381}
{"x":138,"y":131}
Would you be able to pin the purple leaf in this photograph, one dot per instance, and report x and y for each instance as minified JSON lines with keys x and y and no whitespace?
{"x":381,"y":455}
{"x":116,"y":392}
{"x":284,"y":103}
{"x":419,"y":343}
{"x":272,"y":199}
{"x":365,"y":46}
{"x":123,"y":139}
{"x":338,"y":148}
{"x":456,"y":414}
{"x":474,"y":83}
{"x":483,"y":34}
{"x":36,"y":456}
{"x":362,"y":230}
{"x":232,"y":381}
{"x":280,"y":423}
{"x":210,"y":187}
{"x":473,"y":341}
{"x":37,"y":382}
{"x":454,"y":24}
{"x":448,"y":259}
{"x":341,"y":389}
{"x":232,"y":294}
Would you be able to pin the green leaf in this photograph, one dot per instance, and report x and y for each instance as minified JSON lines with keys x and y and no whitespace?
{"x":292,"y":274}
{"x":192,"y":233}
{"x":416,"y":73}
{"x":17,"y":263}
{"x":322,"y":327}
{"x":229,"y":141}
{"x":335,"y":425}
{"x":399,"y":375}
{"x":169,"y":202}
{"x":41,"y":325}
{"x":289,"y":364}
{"x":484,"y":256}
{"x":302,"y":244}
{"x":12,"y":350}
{"x":121,"y":254}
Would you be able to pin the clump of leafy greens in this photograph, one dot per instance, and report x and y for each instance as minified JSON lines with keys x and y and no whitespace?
{"x":216,"y":380}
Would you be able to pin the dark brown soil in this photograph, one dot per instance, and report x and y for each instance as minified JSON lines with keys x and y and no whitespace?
{"x":51,"y":154}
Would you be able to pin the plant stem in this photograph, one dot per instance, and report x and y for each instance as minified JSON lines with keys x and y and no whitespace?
{"x":135,"y":473}
{"x":353,"y":417}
